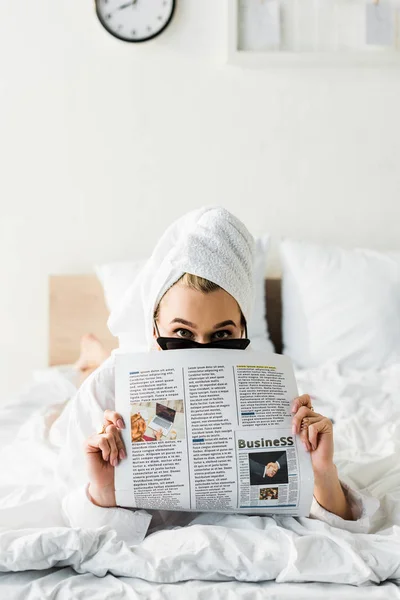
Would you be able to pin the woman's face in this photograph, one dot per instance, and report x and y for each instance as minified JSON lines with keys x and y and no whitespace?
{"x":197,"y":316}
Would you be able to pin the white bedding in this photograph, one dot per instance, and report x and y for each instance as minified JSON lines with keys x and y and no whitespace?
{"x":235,"y":551}
{"x":65,"y":584}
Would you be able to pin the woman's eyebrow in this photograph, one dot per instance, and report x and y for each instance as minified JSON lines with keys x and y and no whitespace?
{"x":184,"y":322}
{"x":224,"y":323}
{"x":190,"y":324}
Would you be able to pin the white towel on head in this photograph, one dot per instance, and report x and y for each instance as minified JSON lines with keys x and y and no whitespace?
{"x":209,"y":242}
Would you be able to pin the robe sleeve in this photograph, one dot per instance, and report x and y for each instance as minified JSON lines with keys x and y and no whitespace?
{"x":83,"y":417}
{"x":363,"y":507}
{"x":130,"y":525}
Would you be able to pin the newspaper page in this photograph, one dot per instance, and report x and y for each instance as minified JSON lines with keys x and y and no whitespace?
{"x":210,"y":430}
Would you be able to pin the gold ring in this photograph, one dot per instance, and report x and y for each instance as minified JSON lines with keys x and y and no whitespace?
{"x":102,"y":430}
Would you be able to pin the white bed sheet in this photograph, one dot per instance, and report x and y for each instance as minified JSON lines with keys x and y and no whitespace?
{"x":65,"y":584}
{"x":238,"y":551}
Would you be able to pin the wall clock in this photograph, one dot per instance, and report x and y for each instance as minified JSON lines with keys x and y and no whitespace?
{"x":135,"y":20}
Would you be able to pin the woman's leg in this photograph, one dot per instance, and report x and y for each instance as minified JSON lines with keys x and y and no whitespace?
{"x":92,"y":355}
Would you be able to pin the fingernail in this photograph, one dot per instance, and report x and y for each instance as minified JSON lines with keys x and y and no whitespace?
{"x":122,"y":454}
{"x":305,"y":446}
{"x":120,"y":424}
{"x":115,"y":462}
{"x":293,"y":428}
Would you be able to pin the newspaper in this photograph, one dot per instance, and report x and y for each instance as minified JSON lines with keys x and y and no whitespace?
{"x":210,"y":430}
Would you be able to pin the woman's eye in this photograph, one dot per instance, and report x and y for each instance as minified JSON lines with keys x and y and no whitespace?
{"x":220,"y":335}
{"x":183,"y":332}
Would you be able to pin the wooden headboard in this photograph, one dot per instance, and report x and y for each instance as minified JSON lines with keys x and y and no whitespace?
{"x":77,"y":307}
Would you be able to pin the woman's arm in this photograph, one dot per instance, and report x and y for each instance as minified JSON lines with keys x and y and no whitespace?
{"x":316,"y":433}
{"x":329,"y":493}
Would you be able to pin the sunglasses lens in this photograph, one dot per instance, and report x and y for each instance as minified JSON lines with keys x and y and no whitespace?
{"x":171,"y":343}
{"x":233,"y":344}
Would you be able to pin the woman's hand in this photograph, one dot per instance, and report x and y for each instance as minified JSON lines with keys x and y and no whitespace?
{"x":158,"y":434}
{"x":316,"y":433}
{"x":103,"y":452}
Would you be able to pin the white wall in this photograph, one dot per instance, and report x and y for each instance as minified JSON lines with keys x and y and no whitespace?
{"x":103,"y":144}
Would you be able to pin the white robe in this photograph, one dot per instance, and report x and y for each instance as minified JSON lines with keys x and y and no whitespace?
{"x":84,"y":416}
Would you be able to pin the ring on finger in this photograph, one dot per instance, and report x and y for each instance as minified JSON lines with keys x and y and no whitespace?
{"x":102,"y":430}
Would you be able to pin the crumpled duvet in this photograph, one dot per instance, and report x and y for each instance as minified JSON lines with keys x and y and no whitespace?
{"x":365,"y":407}
{"x":234,"y":548}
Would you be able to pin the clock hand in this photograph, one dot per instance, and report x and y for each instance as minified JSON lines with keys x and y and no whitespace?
{"x":126,"y":5}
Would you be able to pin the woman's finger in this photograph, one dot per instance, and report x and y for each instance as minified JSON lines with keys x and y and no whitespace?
{"x":96,"y":443}
{"x":118,"y":440}
{"x":303,"y":411}
{"x":105,"y":448}
{"x":304,"y":430}
{"x":105,"y":443}
{"x":113,"y":447}
{"x":112,"y":417}
{"x":322,"y":426}
{"x":310,"y":420}
{"x":303,"y":400}
{"x":304,"y":438}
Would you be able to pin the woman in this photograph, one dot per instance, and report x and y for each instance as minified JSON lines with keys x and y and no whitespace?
{"x":138,"y":427}
{"x":197,"y":286}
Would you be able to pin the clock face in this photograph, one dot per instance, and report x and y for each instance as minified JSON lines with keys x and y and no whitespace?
{"x":135,"y":20}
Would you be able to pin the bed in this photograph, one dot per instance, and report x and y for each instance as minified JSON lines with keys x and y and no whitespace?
{"x":57,"y":562}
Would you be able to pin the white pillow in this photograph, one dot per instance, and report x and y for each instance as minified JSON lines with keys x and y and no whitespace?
{"x":116,"y":277}
{"x":340,"y":305}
